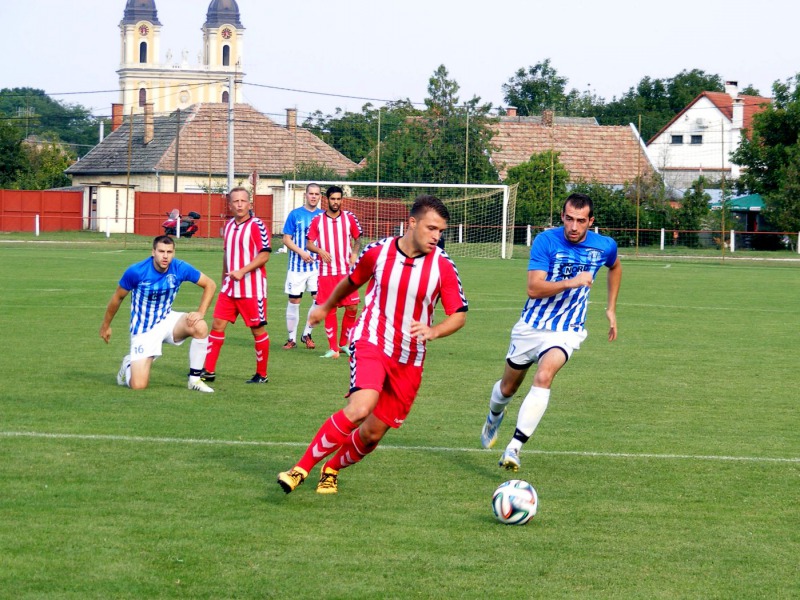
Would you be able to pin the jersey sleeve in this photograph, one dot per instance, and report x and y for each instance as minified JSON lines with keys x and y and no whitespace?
{"x":540,"y":254}
{"x":263,"y":236}
{"x":611,"y":253}
{"x":186,"y":272}
{"x":313,"y":229}
{"x":453,"y":298}
{"x":355,"y":226}
{"x":129,"y":279}
{"x":289,"y":226}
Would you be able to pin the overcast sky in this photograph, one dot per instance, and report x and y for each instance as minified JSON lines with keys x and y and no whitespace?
{"x":388,"y":50}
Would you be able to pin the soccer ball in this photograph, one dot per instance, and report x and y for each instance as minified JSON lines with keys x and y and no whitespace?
{"x":515,"y":502}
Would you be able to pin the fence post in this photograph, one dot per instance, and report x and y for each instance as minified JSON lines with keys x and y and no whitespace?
{"x":178,"y":225}
{"x":528,"y":236}
{"x":36,"y":225}
{"x":460,"y":233}
{"x":798,"y":243}
{"x":108,"y":227}
{"x":733,"y":240}
{"x":662,"y":238}
{"x":401,"y":229}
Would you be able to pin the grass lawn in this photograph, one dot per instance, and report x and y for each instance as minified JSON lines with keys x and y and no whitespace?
{"x":667,"y":464}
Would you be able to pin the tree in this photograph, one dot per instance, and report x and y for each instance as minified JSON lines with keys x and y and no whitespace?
{"x":312,"y":171}
{"x":11,"y":158}
{"x":657,"y":101}
{"x":448,"y":142}
{"x":43,"y":167}
{"x":542,"y":188}
{"x":356,"y":134}
{"x":771,"y":155}
{"x":537,"y":88}
{"x":693,"y":212}
{"x":35,"y":113}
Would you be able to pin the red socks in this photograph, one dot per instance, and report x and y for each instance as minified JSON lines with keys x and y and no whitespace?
{"x":351,"y":452}
{"x":215,"y":341}
{"x":333,"y":433}
{"x":262,"y":354}
{"x":348,"y":321}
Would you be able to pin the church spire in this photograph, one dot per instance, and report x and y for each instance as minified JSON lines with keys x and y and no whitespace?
{"x":140,"y":10}
{"x":223,"y":12}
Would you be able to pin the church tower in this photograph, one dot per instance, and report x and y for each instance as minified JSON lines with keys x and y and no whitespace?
{"x":145,"y":79}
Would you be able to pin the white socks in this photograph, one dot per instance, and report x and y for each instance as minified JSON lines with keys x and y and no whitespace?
{"x":530,"y":413}
{"x":197,"y":353}
{"x":498,"y":402}
{"x":292,"y":319}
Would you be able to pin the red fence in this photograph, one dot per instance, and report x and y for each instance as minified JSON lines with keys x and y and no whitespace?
{"x":63,"y":211}
{"x":152,"y":209}
{"x":58,"y":211}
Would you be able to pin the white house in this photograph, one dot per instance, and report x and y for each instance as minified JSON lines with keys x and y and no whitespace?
{"x":700,"y":139}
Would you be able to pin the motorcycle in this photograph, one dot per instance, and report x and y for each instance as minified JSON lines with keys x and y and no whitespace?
{"x":188,"y":225}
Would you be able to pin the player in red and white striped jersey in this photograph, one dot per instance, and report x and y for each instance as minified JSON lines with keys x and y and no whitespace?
{"x":244,"y":284}
{"x":407,"y":276}
{"x":335,"y":237}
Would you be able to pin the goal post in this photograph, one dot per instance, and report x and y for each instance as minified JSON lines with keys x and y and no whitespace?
{"x":481,"y":215}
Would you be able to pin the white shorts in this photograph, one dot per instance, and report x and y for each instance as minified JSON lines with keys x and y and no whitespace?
{"x":297,"y":283}
{"x":145,"y":345}
{"x":528,"y":344}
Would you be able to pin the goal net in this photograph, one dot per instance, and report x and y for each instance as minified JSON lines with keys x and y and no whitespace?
{"x":481,"y":216}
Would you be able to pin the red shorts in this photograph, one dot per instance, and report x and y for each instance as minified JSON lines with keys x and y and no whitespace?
{"x":325,"y":286}
{"x":253,"y":310}
{"x":397,"y":384}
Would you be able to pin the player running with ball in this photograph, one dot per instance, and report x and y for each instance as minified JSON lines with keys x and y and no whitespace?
{"x":562,"y":267}
{"x":407,"y":276}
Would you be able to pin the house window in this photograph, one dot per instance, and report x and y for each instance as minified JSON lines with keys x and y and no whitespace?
{"x":225,"y":97}
{"x":697,"y":139}
{"x":142,"y":97}
{"x":676,"y":139}
{"x":143,"y":52}
{"x":226,"y":56}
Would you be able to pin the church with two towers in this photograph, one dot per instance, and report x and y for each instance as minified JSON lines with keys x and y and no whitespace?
{"x":179,"y":81}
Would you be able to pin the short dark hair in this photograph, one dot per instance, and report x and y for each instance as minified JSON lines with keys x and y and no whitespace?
{"x":334,"y":189}
{"x":579,"y":201}
{"x":163,"y":239}
{"x":425,"y":202}
{"x":238,"y":189}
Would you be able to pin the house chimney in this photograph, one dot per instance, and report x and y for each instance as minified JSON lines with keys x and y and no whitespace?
{"x":291,"y":119}
{"x":116,"y":116}
{"x":547,"y":118}
{"x":148,"y":123}
{"x":737,"y":120}
{"x":732,"y":88}
{"x":511,"y":111}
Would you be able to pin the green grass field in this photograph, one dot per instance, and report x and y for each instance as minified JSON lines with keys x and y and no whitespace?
{"x":667,"y":464}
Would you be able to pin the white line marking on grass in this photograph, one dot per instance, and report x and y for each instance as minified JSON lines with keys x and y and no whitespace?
{"x":211,"y":442}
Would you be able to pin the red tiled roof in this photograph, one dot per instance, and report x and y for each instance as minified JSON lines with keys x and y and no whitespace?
{"x":610,"y":155}
{"x":260,"y":144}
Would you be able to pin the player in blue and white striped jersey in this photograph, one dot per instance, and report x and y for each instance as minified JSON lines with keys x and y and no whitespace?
{"x":153,"y":284}
{"x":303,"y":270}
{"x":562,"y":267}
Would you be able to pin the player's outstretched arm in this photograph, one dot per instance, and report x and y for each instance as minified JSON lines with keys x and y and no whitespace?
{"x":209,"y":286}
{"x":614,"y":282}
{"x":111,"y":311}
